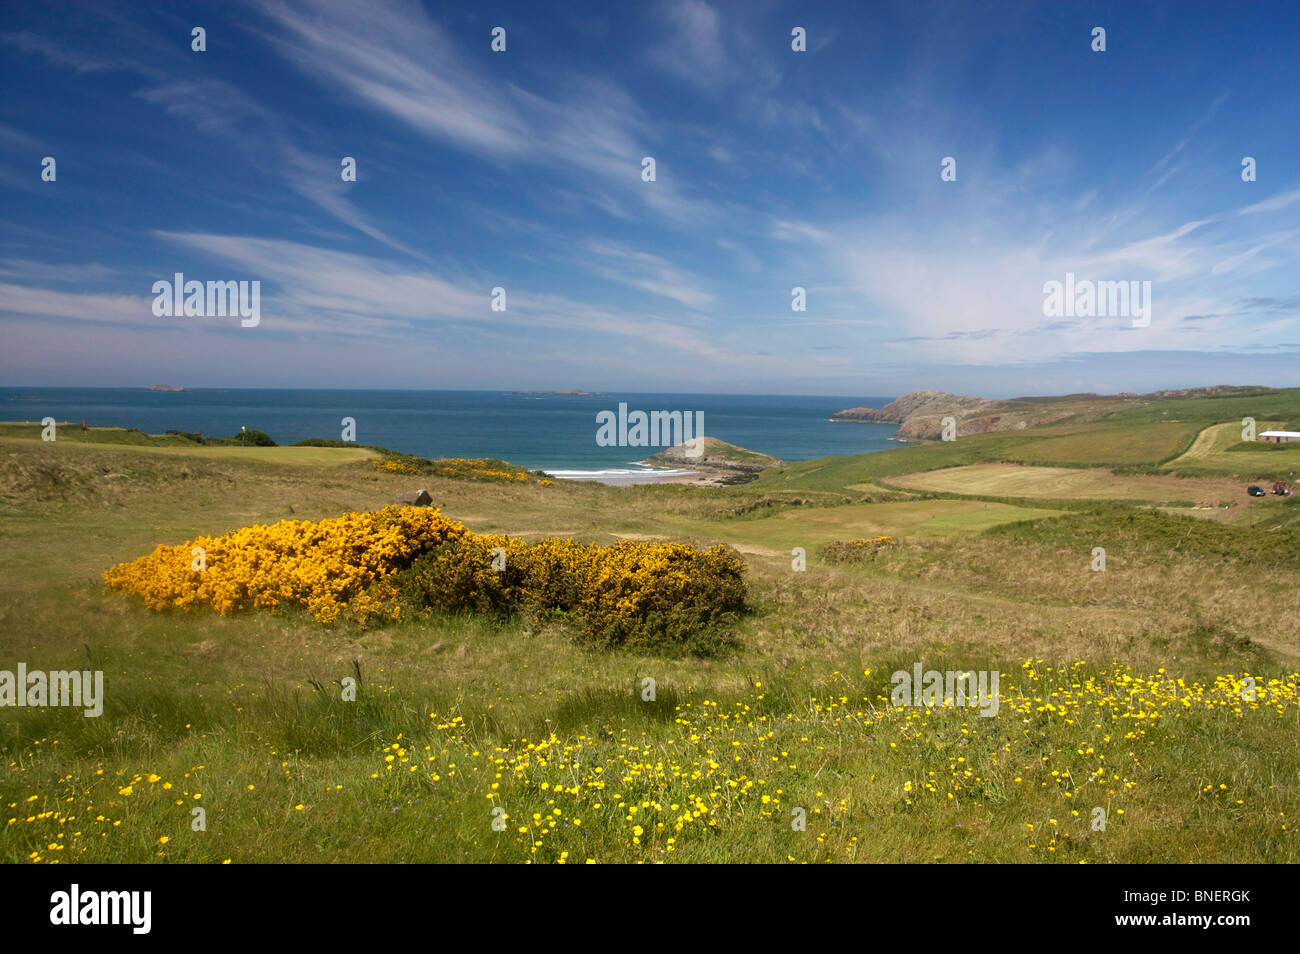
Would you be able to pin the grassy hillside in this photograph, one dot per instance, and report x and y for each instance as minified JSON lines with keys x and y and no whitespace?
{"x":1122,"y":690}
{"x":1191,"y":437}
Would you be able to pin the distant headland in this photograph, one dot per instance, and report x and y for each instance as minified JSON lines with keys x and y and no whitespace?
{"x":920,"y":414}
{"x":165,"y":387}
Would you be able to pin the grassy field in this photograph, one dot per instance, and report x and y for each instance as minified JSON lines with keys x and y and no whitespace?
{"x":1124,"y":692}
{"x":1102,"y":445}
{"x":1053,"y":483}
{"x":1220,"y":449}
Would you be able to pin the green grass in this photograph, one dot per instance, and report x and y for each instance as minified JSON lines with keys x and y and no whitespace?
{"x":1219,"y":450}
{"x":989,"y":481}
{"x":835,"y":474}
{"x":1151,"y":529}
{"x":1282,"y":404}
{"x":212,"y":706}
{"x":1091,"y":445}
{"x":1100,"y":446}
{"x":1259,"y":447}
{"x":71,"y":433}
{"x":180,"y":448}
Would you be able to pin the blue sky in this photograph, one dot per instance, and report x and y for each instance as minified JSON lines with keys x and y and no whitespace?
{"x":774,"y":169}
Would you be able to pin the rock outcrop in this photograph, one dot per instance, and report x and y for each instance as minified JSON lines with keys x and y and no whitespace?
{"x":917,"y":404}
{"x":414,"y":498}
{"x":720,"y":463}
{"x":716,"y":454}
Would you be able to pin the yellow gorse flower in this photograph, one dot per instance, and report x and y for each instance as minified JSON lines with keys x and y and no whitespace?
{"x":347,"y":565}
{"x":325,"y":566}
{"x":458,"y":468}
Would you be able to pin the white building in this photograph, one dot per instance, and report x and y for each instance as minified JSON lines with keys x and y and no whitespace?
{"x":1280,"y":437}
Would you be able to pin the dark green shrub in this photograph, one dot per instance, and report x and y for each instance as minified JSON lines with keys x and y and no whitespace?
{"x":651,"y":595}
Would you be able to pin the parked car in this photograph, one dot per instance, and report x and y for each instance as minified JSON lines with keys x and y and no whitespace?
{"x":1255,"y":491}
{"x":1281,"y":489}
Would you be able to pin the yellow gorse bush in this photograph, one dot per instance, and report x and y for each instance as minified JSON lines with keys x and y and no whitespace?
{"x":472,"y":469}
{"x":349,"y":566}
{"x":854,"y":550}
{"x":631,"y":592}
{"x":394,"y":465}
{"x":459,"y":468}
{"x":325,"y":566}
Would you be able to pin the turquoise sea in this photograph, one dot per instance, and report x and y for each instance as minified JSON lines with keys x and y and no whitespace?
{"x":551,"y":432}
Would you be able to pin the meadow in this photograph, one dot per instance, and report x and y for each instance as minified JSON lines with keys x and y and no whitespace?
{"x":1149,"y":712}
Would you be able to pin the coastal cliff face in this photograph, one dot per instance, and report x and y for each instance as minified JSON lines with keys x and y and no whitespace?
{"x":913,"y":405}
{"x":919,"y":414}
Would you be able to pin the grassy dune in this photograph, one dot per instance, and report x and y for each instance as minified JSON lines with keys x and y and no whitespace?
{"x":457,"y":715}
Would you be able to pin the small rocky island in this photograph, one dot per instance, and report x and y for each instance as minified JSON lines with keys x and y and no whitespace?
{"x":568,"y":392}
{"x":166,"y":387}
{"x":719,"y":465}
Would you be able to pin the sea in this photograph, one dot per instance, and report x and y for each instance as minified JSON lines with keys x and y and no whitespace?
{"x":541,"y":431}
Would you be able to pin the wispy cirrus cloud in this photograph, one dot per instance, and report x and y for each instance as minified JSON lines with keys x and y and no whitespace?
{"x":12,"y":138}
{"x":98,"y":307}
{"x":59,"y":53}
{"x":648,"y":272}
{"x":336,"y":287}
{"x":223,"y":111}
{"x":951,"y":293}
{"x":30,"y":270}
{"x":402,"y":64}
{"x":692,"y":47}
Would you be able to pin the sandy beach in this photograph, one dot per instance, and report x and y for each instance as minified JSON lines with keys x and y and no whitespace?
{"x":703,"y":477}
